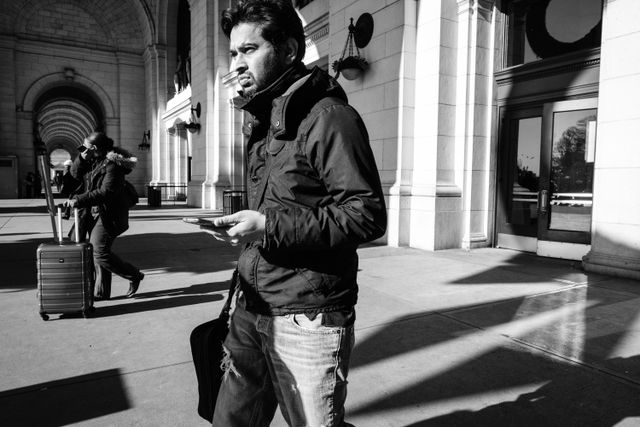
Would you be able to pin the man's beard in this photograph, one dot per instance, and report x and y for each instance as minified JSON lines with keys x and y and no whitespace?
{"x":275,"y":69}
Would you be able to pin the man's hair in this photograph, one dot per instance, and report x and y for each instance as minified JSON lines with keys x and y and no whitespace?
{"x":277,"y":19}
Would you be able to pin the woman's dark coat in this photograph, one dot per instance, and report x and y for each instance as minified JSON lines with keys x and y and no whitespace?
{"x":104,"y":188}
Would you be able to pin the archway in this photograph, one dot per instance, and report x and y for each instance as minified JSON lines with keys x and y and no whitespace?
{"x":63,"y":116}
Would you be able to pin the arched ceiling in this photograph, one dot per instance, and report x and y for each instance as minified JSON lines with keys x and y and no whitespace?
{"x":124,"y":25}
{"x":65,"y":122}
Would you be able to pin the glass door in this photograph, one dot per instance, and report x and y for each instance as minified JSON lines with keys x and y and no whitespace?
{"x":566,"y":192}
{"x":545,"y":178}
{"x":519,"y":179}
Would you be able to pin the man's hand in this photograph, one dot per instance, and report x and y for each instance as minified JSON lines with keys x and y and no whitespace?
{"x":245,"y":226}
{"x":71,"y":203}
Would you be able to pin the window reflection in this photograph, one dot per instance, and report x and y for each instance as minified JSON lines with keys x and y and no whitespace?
{"x":524,"y":197}
{"x":572,"y":160}
{"x":544,"y":28}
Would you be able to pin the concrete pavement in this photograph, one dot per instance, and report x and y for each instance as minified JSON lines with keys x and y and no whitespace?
{"x":487,"y":337}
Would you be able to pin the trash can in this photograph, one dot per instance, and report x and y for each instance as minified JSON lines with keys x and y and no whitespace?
{"x":154,"y":196}
{"x":233,"y":201}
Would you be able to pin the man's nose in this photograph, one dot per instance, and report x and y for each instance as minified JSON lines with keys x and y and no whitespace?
{"x":239,"y":64}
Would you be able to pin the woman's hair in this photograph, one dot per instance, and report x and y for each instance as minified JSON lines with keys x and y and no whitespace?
{"x":100,"y":140}
{"x":277,"y":19}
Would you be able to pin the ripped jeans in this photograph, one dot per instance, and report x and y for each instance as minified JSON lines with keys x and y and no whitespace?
{"x":290,"y":361}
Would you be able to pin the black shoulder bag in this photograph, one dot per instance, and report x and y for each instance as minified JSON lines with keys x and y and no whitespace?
{"x":206,"y":341}
{"x":206,"y":349}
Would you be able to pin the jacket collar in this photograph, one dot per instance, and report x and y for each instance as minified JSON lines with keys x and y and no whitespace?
{"x":290,"y":108}
{"x":120,"y":157}
{"x":287,"y":100}
{"x":260,"y":104}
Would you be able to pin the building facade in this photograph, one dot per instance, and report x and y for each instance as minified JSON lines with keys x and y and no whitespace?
{"x":505,"y":123}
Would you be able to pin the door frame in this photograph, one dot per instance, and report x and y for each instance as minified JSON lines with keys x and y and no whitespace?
{"x":538,"y":239}
{"x":507,"y":156}
{"x":544,"y":212}
{"x":572,"y":76}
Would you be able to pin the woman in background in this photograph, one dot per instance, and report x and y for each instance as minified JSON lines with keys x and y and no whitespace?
{"x":105,"y":208}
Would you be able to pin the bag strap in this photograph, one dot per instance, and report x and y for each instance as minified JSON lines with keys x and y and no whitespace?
{"x":232,"y":290}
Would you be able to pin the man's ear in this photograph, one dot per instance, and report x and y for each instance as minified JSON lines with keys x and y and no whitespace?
{"x":290,"y":50}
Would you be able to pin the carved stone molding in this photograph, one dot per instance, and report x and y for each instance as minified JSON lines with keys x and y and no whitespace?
{"x":484,"y":8}
{"x":317,"y":30}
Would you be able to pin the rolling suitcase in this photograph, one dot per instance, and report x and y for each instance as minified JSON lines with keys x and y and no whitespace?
{"x":65,"y":274}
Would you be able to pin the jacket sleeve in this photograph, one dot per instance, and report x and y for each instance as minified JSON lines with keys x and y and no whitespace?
{"x":338,"y":149}
{"x":79,"y":167}
{"x":108,"y":191}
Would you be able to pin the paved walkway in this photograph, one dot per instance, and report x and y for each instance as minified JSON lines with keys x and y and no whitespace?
{"x":453,"y":338}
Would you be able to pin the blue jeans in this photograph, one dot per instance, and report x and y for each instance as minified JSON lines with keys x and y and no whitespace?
{"x":290,"y":361}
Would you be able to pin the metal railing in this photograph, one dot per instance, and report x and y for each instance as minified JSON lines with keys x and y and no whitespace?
{"x":158,"y":193}
{"x":233,"y":201}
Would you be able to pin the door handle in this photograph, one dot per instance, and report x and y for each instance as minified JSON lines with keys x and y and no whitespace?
{"x":544,"y":201}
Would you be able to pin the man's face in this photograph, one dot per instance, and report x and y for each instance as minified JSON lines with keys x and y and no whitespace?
{"x":254,"y":59}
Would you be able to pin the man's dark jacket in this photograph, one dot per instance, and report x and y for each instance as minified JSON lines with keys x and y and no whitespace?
{"x":322,"y":196}
{"x":104,"y":188}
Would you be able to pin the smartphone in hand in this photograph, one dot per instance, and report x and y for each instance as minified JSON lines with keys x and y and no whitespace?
{"x":205,"y":222}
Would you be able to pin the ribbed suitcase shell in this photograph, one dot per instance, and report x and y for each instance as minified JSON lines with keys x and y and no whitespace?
{"x":65,"y":278}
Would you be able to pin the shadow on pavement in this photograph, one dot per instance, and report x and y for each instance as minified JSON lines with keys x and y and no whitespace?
{"x":67,"y":401}
{"x":156,"y":304}
{"x":179,"y":297}
{"x":599,"y":390}
{"x":24,"y":209}
{"x":26,"y":234}
{"x":199,"y":289}
{"x":187,"y":252}
{"x":577,"y":398}
{"x":533,"y":268}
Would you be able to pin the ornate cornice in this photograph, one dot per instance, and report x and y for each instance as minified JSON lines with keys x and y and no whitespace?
{"x":317,"y":30}
{"x":483,"y":7}
{"x":549,"y":67}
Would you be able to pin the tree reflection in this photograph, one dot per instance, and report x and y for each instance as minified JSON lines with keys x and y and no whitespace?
{"x":570,"y":172}
{"x":527,"y":178}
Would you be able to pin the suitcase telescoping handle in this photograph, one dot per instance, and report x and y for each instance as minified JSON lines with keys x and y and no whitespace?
{"x":59,"y":219}
{"x":75,"y":225}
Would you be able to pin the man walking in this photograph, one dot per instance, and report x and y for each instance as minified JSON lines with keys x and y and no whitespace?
{"x":314,"y":196}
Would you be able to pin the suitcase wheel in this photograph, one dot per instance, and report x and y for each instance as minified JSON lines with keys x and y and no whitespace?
{"x":44,"y":316}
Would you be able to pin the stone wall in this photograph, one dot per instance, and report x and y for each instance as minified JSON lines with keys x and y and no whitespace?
{"x":616,"y":201}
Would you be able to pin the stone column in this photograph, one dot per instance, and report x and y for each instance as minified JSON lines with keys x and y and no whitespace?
{"x":12,"y":109}
{"x":397,"y":175}
{"x":211,"y":146}
{"x":615,"y":228}
{"x":155,"y":66}
{"x":435,"y":202}
{"x":474,"y":99}
{"x":132,"y":106}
